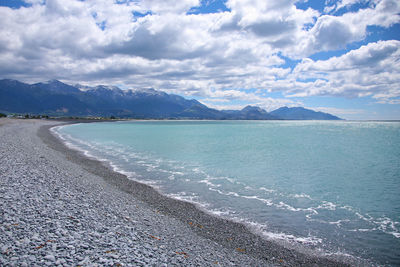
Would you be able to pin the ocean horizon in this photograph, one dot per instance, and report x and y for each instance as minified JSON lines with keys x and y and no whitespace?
{"x":323,"y":186}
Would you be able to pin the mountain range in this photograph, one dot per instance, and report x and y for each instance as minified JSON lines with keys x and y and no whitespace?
{"x":59,"y":99}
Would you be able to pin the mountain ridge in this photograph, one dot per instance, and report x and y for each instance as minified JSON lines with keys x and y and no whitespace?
{"x":59,"y":99}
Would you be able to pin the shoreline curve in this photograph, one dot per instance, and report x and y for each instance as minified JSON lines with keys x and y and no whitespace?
{"x":231,"y":235}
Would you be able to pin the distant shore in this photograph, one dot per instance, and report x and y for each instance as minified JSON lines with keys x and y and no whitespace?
{"x":88,"y":214}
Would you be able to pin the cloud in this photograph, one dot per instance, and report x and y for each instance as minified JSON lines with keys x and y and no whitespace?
{"x":272,"y":27}
{"x":239,"y":54}
{"x":373,"y":56}
{"x":338,"y":5}
{"x":372,"y":70}
{"x":166,"y":37}
{"x":258,"y":6}
{"x":34,"y":2}
{"x":331,"y":33}
{"x":339,"y":111}
{"x":335,"y":32}
{"x":167,"y":6}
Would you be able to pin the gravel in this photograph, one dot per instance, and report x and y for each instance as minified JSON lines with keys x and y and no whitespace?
{"x":59,"y":208}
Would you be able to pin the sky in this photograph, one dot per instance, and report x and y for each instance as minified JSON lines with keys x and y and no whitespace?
{"x":336,"y":56}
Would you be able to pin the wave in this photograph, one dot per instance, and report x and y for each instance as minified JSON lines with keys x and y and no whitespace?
{"x":76,"y":144}
{"x":383,"y":224}
{"x":302,"y":195}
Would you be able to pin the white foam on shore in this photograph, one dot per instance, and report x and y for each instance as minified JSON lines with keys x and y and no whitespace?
{"x":262,"y":229}
{"x":383,"y":224}
{"x":208,"y":183}
{"x":191,"y":198}
{"x":76,"y":144}
{"x":267,"y":190}
{"x":268,"y":202}
{"x":66,"y":139}
{"x":311,"y":240}
{"x":302,"y":195}
{"x":255,"y":227}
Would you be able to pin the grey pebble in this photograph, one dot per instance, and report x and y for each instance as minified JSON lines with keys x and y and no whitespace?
{"x":50,"y":257}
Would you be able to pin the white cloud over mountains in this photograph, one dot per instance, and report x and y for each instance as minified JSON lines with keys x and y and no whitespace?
{"x":221,"y":55}
{"x":372,"y":70}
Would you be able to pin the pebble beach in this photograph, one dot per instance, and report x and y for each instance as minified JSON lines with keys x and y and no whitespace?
{"x":60,"y":208}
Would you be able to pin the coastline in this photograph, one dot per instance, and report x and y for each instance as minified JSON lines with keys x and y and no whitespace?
{"x":226,"y":232}
{"x":232,"y":242}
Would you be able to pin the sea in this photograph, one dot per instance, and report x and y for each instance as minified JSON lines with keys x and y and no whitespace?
{"x":331,"y":187}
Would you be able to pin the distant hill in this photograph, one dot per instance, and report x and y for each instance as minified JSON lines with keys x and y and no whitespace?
{"x":299,"y":113}
{"x":250,"y":113}
{"x":59,"y":99}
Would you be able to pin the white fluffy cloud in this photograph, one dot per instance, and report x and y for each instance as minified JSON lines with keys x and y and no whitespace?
{"x":225,"y":55}
{"x":167,"y":6}
{"x":334,"y":6}
{"x":336,"y":32}
{"x":372,"y":70}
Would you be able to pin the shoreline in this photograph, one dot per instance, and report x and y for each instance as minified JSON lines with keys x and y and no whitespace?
{"x":231,"y":235}
{"x":57,"y":213}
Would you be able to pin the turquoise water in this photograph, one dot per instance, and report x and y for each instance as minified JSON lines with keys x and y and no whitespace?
{"x":329,"y":186}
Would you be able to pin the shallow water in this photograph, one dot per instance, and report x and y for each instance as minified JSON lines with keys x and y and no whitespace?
{"x":330,"y":186}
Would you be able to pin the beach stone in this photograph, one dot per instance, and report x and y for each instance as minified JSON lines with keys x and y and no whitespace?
{"x":50,"y":257}
{"x":4,"y":249}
